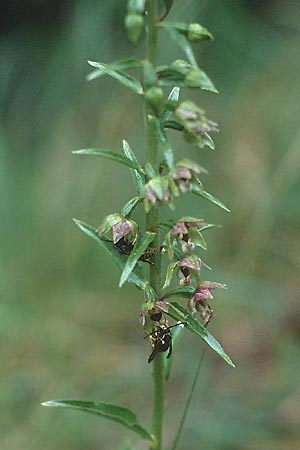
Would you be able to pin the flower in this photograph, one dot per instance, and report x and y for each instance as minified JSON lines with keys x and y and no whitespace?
{"x":185,"y":174}
{"x":198,"y":302}
{"x":187,"y":266}
{"x":157,"y":191}
{"x":186,"y":232}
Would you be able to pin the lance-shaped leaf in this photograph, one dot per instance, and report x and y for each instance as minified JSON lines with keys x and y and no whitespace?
{"x":130,"y":206}
{"x":176,"y":336}
{"x":210,"y":198}
{"x":123,"y":77}
{"x":193,"y":31}
{"x":169,"y":274}
{"x":115,"y":413}
{"x":123,"y":64}
{"x":110,"y":155}
{"x":177,"y":312}
{"x":184,"y":292}
{"x":166,"y":146}
{"x":197,"y":238}
{"x":141,"y":245}
{"x":181,"y":41}
{"x":136,"y":277}
{"x":170,"y":104}
{"x":138,"y":178}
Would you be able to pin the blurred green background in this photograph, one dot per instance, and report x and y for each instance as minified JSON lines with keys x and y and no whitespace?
{"x":66,"y":330}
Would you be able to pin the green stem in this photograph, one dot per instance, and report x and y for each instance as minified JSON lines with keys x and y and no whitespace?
{"x":152,"y":224}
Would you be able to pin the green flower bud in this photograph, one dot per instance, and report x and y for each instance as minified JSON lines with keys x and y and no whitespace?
{"x":154,"y":97}
{"x":197,"y":33}
{"x":134,"y":24}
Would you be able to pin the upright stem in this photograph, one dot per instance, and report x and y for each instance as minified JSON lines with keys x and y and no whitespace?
{"x":152,"y":224}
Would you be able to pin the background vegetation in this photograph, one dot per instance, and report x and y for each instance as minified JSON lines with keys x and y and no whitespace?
{"x":66,"y":331}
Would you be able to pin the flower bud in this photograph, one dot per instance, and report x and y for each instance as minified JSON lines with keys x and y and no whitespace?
{"x":154,"y":97}
{"x":197,"y":33}
{"x":134,"y":24}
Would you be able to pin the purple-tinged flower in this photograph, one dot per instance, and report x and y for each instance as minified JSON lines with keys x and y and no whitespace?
{"x":187,"y":266}
{"x":187,"y":234}
{"x":157,"y":191}
{"x":204,"y":291}
{"x":198,"y":303}
{"x":121,"y":229}
{"x":185,"y":174}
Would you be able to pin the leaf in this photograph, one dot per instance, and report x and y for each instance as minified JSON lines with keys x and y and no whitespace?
{"x":136,"y":277}
{"x":170,"y":270}
{"x":171,"y":104}
{"x":166,"y":146}
{"x":138,"y":179}
{"x":197,"y":238}
{"x":110,"y":155}
{"x":177,"y":312}
{"x":181,"y":41}
{"x":128,"y":63}
{"x":115,"y":413}
{"x":141,"y":245}
{"x":210,"y":198}
{"x":176,"y":336}
{"x":123,"y":77}
{"x":185,"y":292}
{"x":130,"y":205}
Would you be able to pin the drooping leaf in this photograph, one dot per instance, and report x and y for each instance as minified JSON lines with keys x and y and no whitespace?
{"x":110,"y":155}
{"x":141,"y":245}
{"x":138,"y":179}
{"x":210,"y":198}
{"x":130,"y":206}
{"x":136,"y":277}
{"x":123,"y":77}
{"x":177,"y":312}
{"x":115,"y":413}
{"x":169,"y":274}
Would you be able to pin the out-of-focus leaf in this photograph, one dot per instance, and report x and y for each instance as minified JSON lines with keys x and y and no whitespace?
{"x":210,"y":198}
{"x":169,"y":245}
{"x":177,"y":312}
{"x":141,"y":245}
{"x":138,"y":179}
{"x":176,"y":336}
{"x":137,"y":6}
{"x":123,"y":77}
{"x":166,"y":146}
{"x":130,"y":205}
{"x":197,"y":78}
{"x":170,"y":104}
{"x":136,"y":277}
{"x":115,"y":413}
{"x":169,"y":274}
{"x":189,"y":29}
{"x":110,"y":155}
{"x":168,"y":5}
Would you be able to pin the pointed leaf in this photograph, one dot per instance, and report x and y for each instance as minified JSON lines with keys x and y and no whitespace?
{"x":184,"y":292}
{"x":176,"y":337}
{"x":210,"y":198}
{"x":177,"y":312}
{"x":181,"y":41}
{"x":169,"y":274}
{"x":128,"y":63}
{"x":197,"y":238}
{"x":110,"y":155}
{"x":119,"y":75}
{"x":166,"y":146}
{"x":171,"y":104}
{"x":115,"y":413}
{"x":138,"y":179}
{"x":141,"y":245}
{"x":136,"y":277}
{"x":130,"y":205}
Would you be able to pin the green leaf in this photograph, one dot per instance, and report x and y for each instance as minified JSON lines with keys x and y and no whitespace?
{"x":135,"y":277}
{"x":181,"y":41}
{"x":170,"y":104}
{"x":130,"y":205}
{"x":177,"y":312}
{"x":138,"y":179}
{"x":169,"y":274}
{"x":210,"y":198}
{"x":166,"y":146}
{"x":110,"y":155}
{"x":141,"y":245}
{"x":197,"y":238}
{"x":184,"y":292}
{"x":128,"y":63}
{"x":115,"y":413}
{"x":176,"y":336}
{"x":123,"y":77}
{"x":197,"y":78}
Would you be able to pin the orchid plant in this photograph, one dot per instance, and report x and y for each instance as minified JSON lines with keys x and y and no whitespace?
{"x":138,"y":249}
